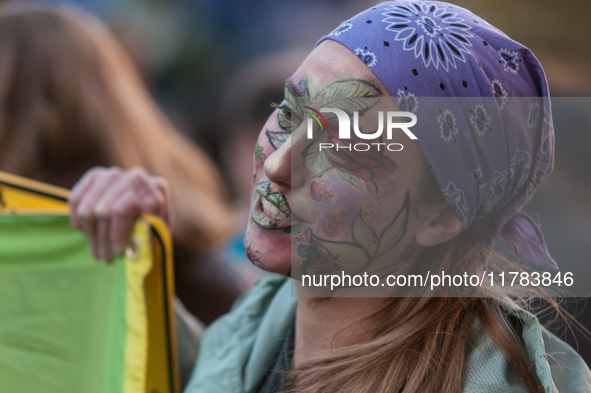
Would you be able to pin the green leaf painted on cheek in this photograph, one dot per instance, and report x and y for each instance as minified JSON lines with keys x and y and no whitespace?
{"x":306,"y":84}
{"x":296,"y":110}
{"x":315,"y":161}
{"x":346,"y":95}
{"x":364,"y":235}
{"x":350,"y":256}
{"x":350,"y":178}
{"x":397,"y":228}
{"x":350,"y":104}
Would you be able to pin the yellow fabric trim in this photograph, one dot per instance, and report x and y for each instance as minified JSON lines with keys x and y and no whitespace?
{"x":145,"y":365}
{"x":33,"y":185}
{"x":163,"y":375}
{"x":26,"y":211}
{"x":138,"y":263}
{"x":19,"y":193}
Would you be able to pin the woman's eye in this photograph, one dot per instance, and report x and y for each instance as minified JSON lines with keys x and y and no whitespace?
{"x":284,"y":115}
{"x":286,"y":112}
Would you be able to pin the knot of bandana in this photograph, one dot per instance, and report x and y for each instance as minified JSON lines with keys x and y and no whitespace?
{"x":482,"y":104}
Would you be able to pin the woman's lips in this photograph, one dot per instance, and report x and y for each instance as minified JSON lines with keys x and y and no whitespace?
{"x":266,"y":215}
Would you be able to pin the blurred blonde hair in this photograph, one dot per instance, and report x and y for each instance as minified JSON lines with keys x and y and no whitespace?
{"x":420,"y":343}
{"x":71,"y":97}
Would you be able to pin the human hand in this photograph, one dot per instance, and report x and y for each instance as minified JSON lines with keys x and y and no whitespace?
{"x":106,"y":201}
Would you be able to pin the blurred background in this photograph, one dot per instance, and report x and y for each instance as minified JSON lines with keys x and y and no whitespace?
{"x":214,"y":66}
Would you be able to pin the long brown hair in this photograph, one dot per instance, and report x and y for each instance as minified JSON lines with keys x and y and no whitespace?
{"x":70,"y":98}
{"x":419,"y":343}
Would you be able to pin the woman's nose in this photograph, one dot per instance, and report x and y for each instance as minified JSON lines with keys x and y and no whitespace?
{"x":283,"y":167}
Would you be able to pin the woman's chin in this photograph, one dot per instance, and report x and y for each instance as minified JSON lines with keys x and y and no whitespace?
{"x":274,"y":262}
{"x":268,"y":249}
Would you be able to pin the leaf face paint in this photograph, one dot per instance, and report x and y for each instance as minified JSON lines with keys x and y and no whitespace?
{"x":358,"y":208}
{"x":358,"y":254}
{"x":310,"y":208}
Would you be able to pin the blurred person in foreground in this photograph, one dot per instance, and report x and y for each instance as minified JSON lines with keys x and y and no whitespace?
{"x":70,"y":100}
{"x":436,"y":204}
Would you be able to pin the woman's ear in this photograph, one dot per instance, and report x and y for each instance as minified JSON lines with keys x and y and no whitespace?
{"x":445,"y":226}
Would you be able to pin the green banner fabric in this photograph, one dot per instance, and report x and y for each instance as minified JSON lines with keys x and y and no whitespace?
{"x":62,"y":313}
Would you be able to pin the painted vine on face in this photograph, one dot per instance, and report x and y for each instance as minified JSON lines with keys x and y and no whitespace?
{"x":324,"y":256}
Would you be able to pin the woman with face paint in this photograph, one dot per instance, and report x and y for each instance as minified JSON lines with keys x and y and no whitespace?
{"x":325,"y":204}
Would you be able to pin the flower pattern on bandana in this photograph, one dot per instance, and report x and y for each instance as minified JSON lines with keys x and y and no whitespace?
{"x":480,"y":120}
{"x":499,"y":93}
{"x":407,"y":101}
{"x":345,"y":26}
{"x":434,"y":33}
{"x":448,"y":127}
{"x":510,"y":60}
{"x":369,"y":58}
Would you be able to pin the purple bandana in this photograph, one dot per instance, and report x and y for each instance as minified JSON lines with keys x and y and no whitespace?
{"x":490,"y":147}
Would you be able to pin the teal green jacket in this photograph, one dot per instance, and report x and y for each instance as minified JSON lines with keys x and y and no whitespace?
{"x":238,"y":349}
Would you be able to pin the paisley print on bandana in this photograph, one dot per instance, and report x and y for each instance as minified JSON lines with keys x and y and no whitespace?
{"x":510,"y":60}
{"x":499,"y":93}
{"x":407,"y":101}
{"x":456,"y":198}
{"x":448,"y":127}
{"x":345,"y":26}
{"x":518,"y":168}
{"x":480,"y":120}
{"x":369,"y":58}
